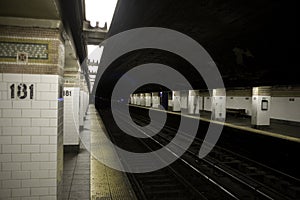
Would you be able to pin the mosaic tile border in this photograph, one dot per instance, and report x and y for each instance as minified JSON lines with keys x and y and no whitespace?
{"x":49,"y":46}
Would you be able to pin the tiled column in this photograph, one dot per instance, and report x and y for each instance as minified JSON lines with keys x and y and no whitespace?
{"x":193,"y":102}
{"x":201,"y":102}
{"x":148,"y":99}
{"x":184,"y":100}
{"x":176,"y":100}
{"x":31,"y":113}
{"x":71,"y":116}
{"x":218,"y":104}
{"x":138,"y":99}
{"x":202,"y":96}
{"x":134,"y":99}
{"x":155,"y":100}
{"x":261,"y":98}
{"x":142,"y":99}
{"x":131,"y":99}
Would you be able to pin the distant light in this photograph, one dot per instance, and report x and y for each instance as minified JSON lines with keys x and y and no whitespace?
{"x":95,"y":52}
{"x":101,"y":11}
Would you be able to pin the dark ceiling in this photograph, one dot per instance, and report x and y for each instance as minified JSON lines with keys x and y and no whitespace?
{"x":253,"y":42}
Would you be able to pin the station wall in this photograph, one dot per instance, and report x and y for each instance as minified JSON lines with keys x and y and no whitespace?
{"x":285,"y":108}
{"x":282,"y":108}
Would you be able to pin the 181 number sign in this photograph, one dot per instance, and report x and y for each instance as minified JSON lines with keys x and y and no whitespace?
{"x":67,"y":93}
{"x":22,"y":91}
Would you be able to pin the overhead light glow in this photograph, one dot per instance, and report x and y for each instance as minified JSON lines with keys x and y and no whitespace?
{"x":101,"y":11}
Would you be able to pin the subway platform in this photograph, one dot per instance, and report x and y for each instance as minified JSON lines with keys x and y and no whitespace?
{"x":278,"y":128}
{"x":87,"y":178}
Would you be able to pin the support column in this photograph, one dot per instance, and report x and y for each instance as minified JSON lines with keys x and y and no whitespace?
{"x":155,"y":100}
{"x":71,"y":113}
{"x":31,"y":113}
{"x":184,"y":100}
{"x":131,"y":99}
{"x":218,"y":104}
{"x":261,"y":98}
{"x":134,"y":99}
{"x":202,"y":97}
{"x":142,"y":99}
{"x":176,"y":100}
{"x":138,"y":99}
{"x":148,"y":99}
{"x":201,"y":102}
{"x":193,"y":102}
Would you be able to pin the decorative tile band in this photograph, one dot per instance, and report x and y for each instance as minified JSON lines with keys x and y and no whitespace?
{"x":38,"y":51}
{"x":34,"y":50}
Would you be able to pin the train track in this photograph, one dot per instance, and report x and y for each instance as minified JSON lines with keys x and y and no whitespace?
{"x":221,"y":175}
{"x":172,"y":182}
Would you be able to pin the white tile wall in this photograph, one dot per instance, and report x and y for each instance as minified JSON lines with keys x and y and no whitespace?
{"x":240,"y":103}
{"x":30,"y":148}
{"x":5,"y":139}
{"x":11,"y":166}
{"x":39,"y":139}
{"x":207,"y":103}
{"x":31,"y":113}
{"x":12,"y":77}
{"x":41,"y":122}
{"x":5,"y":193}
{"x":29,"y":139}
{"x":49,"y":113}
{"x":22,"y":192}
{"x":11,"y":113}
{"x":281,"y":107}
{"x":5,"y":175}
{"x":23,"y":122}
{"x":35,"y":78}
{"x":40,"y":191}
{"x":21,"y":104}
{"x":19,"y":175}
{"x":40,"y":104}
{"x":20,"y":139}
{"x":30,"y":166}
{"x":6,"y":130}
{"x":6,"y":104}
{"x":284,"y":109}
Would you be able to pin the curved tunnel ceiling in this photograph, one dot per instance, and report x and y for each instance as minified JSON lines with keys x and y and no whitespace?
{"x":253,"y":42}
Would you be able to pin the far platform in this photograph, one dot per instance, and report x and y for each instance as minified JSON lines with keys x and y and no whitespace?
{"x":279,"y":129}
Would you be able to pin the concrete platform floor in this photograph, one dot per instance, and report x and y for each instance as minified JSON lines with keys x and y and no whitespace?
{"x":87,"y":178}
{"x":76,"y":175}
